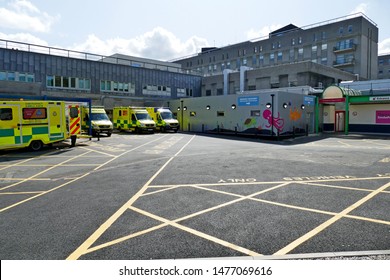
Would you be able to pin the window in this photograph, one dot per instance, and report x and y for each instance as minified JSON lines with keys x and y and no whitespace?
{"x":3,"y":76}
{"x":299,"y":40}
{"x":272,"y":57}
{"x":57,"y":81}
{"x":293,"y":42}
{"x":314,"y":49}
{"x":323,"y":35}
{"x":300,"y":53}
{"x":324,"y":47}
{"x":341,"y":31}
{"x":208,"y":92}
{"x":255,"y":113}
{"x":66,"y":82}
{"x":350,"y":28}
{"x":50,"y":81}
{"x":34,"y":113}
{"x":5,"y":114}
{"x":11,"y":76}
{"x":280,"y":56}
{"x":74,"y":112}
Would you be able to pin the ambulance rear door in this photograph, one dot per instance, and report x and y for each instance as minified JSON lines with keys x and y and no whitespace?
{"x":56,"y":120}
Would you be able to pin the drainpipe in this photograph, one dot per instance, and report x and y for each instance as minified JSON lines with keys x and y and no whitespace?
{"x":226,"y":73}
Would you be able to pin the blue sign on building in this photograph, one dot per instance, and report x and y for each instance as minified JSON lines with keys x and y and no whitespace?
{"x":248,"y":101}
{"x":309,"y":100}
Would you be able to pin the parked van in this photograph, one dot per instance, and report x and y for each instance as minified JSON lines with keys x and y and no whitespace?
{"x":164,"y":119}
{"x":134,"y":119}
{"x":99,"y":121}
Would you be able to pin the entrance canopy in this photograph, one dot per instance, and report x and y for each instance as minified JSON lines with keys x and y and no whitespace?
{"x":334,"y":94}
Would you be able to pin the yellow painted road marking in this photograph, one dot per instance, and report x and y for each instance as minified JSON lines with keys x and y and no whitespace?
{"x":386,"y":159}
{"x":200,"y":234}
{"x":21,"y":179}
{"x":131,"y":150}
{"x":12,"y":193}
{"x":43,"y":193}
{"x":60,"y":164}
{"x":23,"y":161}
{"x":44,"y":171}
{"x":329,"y":222}
{"x":274,"y":182}
{"x":82,"y":249}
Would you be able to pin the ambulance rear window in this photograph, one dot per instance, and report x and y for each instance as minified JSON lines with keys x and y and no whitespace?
{"x":6,"y":114}
{"x":34,"y":113}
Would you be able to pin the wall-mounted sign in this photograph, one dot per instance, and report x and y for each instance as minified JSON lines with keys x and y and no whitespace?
{"x":332,"y":100}
{"x":383,"y":116}
{"x":248,"y":101}
{"x":309,"y":100}
{"x":380,"y":98}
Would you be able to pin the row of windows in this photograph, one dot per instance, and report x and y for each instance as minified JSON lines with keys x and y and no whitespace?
{"x":276,"y":45}
{"x":113,"y":86}
{"x":68,"y":82}
{"x":156,"y":90}
{"x":16,"y":76}
{"x":258,"y":60}
{"x":384,"y":61}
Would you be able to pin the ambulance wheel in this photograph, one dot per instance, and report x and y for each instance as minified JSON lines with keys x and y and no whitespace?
{"x":36,"y":145}
{"x":108,"y":134}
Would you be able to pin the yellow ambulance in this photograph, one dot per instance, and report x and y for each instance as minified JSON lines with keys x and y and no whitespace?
{"x":99,"y":120}
{"x":34,"y":124}
{"x":164,"y":119}
{"x":134,"y":119}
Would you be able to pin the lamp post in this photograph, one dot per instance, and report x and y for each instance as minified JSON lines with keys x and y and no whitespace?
{"x":182,"y":115}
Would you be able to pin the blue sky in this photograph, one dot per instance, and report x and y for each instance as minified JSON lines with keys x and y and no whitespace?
{"x":168,"y":29}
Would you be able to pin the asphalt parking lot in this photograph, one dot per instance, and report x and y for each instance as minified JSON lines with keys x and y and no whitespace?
{"x":179,"y":195}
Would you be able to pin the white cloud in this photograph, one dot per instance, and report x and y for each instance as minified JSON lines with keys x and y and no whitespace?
{"x":23,"y":38}
{"x":23,"y":15}
{"x":361,"y":8}
{"x":156,"y":44}
{"x":384,"y":46}
{"x":254,"y":34}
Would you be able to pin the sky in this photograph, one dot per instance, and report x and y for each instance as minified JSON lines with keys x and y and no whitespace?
{"x":170,"y":29}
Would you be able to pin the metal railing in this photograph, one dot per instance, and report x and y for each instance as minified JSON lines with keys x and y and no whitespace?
{"x":15,"y":45}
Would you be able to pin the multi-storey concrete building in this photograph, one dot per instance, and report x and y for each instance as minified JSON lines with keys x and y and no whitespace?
{"x":384,"y":66}
{"x":317,"y":55}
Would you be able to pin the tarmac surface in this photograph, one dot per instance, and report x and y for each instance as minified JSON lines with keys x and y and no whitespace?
{"x":179,"y":196}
